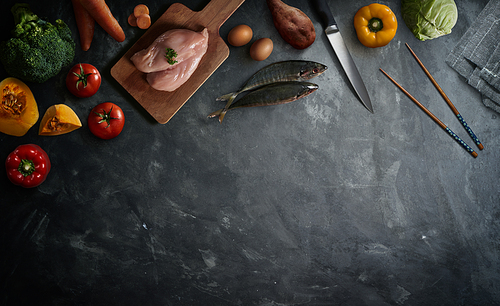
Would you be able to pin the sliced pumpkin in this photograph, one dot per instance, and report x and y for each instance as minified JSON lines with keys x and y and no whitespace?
{"x":59,"y":119}
{"x":18,"y":111}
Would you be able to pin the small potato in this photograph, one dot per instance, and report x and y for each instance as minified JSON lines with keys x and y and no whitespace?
{"x":261,"y":49}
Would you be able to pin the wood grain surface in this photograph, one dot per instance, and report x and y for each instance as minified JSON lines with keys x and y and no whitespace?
{"x":163,"y":105}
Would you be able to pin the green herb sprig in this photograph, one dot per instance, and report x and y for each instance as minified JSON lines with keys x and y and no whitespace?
{"x":171,"y":55}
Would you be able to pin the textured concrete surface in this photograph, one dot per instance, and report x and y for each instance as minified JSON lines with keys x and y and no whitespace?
{"x":316,"y":202}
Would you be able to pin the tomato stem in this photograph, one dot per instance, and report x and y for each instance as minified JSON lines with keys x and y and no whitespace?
{"x":105,"y":116}
{"x":82,"y":77}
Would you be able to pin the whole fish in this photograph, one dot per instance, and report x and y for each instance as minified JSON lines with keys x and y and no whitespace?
{"x":272,"y":94}
{"x":285,"y":71}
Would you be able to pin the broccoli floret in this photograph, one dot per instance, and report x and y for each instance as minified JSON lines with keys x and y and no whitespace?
{"x":38,"y":49}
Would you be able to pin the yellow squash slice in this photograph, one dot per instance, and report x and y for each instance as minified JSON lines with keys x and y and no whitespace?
{"x":18,"y":108}
{"x":59,"y":119}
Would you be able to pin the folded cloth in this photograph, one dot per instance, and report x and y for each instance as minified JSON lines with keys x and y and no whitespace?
{"x":476,"y":56}
{"x":484,"y":41}
{"x":491,"y":71}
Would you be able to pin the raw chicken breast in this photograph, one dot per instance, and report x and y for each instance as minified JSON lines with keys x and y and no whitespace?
{"x":183,"y":41}
{"x":190,"y":47}
{"x":172,"y":78}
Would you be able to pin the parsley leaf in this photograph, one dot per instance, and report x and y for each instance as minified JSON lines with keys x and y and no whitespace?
{"x":171,"y":55}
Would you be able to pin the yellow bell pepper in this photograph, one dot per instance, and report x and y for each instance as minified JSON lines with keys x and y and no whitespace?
{"x":375,"y":25}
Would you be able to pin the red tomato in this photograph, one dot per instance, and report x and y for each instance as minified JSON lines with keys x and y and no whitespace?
{"x":83,"y":80}
{"x":106,"y":120}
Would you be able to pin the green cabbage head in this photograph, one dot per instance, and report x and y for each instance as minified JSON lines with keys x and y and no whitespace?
{"x":428,"y":19}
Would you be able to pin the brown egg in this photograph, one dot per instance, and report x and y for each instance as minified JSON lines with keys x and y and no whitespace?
{"x":261,"y":49}
{"x":240,"y":35}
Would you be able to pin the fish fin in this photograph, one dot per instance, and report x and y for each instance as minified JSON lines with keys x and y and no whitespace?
{"x":229,"y":96}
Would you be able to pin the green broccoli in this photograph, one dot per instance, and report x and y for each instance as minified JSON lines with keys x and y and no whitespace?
{"x":38,"y":49}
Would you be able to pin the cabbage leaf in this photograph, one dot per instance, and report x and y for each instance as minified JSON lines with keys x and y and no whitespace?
{"x":428,"y":19}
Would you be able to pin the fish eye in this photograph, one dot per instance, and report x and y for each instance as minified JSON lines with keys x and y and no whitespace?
{"x":316,"y":70}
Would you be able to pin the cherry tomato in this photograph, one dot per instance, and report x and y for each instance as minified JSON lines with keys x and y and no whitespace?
{"x":83,"y":80}
{"x":106,"y":120}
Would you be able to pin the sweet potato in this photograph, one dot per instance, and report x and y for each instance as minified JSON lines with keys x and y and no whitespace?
{"x":293,"y":25}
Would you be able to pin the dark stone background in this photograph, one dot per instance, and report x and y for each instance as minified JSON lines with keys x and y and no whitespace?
{"x":317,"y":202}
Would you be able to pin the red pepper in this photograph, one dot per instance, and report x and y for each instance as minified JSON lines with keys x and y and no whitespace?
{"x":27,"y":166}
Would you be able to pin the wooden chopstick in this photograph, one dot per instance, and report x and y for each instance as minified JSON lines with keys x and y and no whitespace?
{"x":453,"y":108}
{"x":441,"y":124}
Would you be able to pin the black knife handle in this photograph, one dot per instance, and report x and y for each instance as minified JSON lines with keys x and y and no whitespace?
{"x":324,"y":13}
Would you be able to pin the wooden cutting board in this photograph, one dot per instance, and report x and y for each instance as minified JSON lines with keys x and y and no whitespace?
{"x":163,"y":105}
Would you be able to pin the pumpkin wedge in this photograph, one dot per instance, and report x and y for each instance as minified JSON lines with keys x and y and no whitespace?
{"x":59,"y":119}
{"x":18,"y":108}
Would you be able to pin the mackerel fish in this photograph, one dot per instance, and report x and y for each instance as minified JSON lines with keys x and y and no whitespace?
{"x":285,"y":71}
{"x":272,"y":94}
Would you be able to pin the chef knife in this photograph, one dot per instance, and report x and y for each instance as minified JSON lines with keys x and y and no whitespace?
{"x":333,"y":34}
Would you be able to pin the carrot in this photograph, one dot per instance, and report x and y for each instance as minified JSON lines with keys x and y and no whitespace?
{"x":144,"y":21}
{"x":132,"y":20}
{"x":99,"y":10}
{"x":140,"y":9}
{"x":85,"y":24}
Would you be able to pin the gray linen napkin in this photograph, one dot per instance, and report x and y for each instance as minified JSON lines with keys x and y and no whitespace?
{"x":491,"y":72}
{"x":476,"y":57}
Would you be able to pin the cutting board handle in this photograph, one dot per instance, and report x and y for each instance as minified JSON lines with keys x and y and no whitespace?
{"x":216,"y":12}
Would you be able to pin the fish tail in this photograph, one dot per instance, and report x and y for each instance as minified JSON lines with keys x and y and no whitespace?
{"x":229,"y":96}
{"x":221,"y":116}
{"x":226,"y":107}
{"x":215,"y":114}
{"x":220,"y":113}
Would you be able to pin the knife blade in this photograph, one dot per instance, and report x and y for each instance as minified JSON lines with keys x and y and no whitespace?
{"x":333,"y":34}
